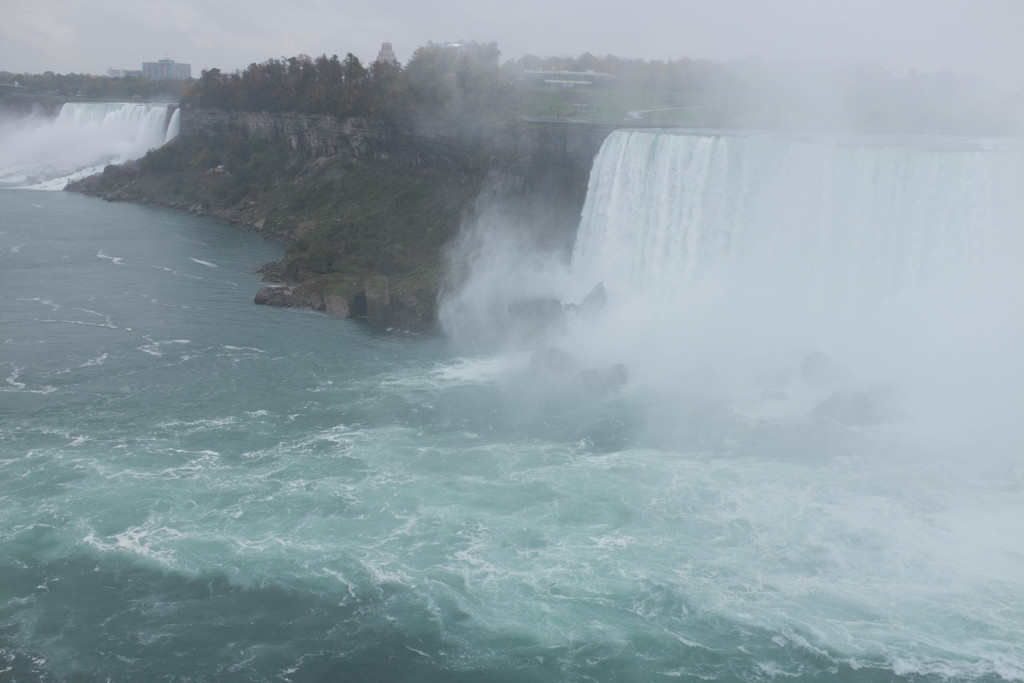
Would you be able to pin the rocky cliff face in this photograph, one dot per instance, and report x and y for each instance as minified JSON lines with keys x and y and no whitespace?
{"x":533,"y":174}
{"x":538,"y":175}
{"x":546,"y":164}
{"x":314,"y":136}
{"x":327,"y":136}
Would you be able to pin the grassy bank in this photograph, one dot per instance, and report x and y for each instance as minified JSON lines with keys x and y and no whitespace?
{"x":346,"y":221}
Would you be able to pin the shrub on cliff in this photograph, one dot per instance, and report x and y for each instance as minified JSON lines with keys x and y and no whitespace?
{"x":442,"y":83}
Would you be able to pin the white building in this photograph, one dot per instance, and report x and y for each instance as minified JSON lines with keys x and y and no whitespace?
{"x":166,"y":70}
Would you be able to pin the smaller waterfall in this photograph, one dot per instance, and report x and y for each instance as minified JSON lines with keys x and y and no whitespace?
{"x":174,"y":126}
{"x":80,"y":141}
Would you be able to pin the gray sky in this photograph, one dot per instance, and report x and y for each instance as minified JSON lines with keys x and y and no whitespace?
{"x":979,"y":37}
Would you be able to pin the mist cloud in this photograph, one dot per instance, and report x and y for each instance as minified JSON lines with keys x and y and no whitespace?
{"x":976,"y":38}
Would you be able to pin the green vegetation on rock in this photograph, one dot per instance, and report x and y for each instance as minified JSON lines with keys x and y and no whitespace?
{"x":345,"y":220}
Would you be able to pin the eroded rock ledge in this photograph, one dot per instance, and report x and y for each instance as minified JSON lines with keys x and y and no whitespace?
{"x":373,"y":300}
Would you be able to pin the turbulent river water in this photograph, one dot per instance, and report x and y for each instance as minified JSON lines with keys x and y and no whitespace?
{"x":194,"y":488}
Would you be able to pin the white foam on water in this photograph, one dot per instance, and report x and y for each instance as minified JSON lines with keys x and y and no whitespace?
{"x":15,"y":385}
{"x":106,"y":318}
{"x":45,"y":302}
{"x":649,"y":528}
{"x":12,"y":379}
{"x":150,"y":540}
{"x":176,"y":272}
{"x":156,"y":348}
{"x":824,"y":362}
{"x":113,"y":259}
{"x":98,"y":360}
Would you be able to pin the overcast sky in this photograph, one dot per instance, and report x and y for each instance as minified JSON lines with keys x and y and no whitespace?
{"x":977,"y":37}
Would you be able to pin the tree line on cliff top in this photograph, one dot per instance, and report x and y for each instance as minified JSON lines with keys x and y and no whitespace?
{"x":465,"y":83}
{"x":88,"y":87}
{"x":438,"y":81}
{"x":469,"y":86}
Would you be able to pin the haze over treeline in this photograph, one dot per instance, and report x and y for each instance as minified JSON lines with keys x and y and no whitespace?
{"x":89,"y":87}
{"x":470,"y":85}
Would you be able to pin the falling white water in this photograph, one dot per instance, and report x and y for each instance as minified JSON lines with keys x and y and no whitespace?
{"x":174,"y":126}
{"x":85,"y":137}
{"x":852,"y":223}
{"x":412,"y":513}
{"x":899,"y":259}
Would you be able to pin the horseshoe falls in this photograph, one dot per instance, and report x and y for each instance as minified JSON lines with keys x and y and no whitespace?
{"x":888,"y":264}
{"x":813,"y":472}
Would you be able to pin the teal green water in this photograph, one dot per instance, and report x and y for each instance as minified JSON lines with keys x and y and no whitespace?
{"x":193,"y":488}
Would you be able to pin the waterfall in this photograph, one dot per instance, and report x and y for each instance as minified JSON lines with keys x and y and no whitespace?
{"x":80,"y":141}
{"x":848,"y":222}
{"x":901,"y":258}
{"x":173,"y":126}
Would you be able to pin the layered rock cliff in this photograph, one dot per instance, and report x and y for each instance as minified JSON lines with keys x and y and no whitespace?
{"x":533,"y":158}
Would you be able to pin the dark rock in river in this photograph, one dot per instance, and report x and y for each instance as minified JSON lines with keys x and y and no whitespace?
{"x":273,"y":296}
{"x":338,"y":305}
{"x":381,"y":305}
{"x":378,"y":302}
{"x":290,"y":297}
{"x":410,"y":310}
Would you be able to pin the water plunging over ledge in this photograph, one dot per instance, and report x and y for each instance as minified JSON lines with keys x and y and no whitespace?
{"x":80,"y":141}
{"x":813,"y":471}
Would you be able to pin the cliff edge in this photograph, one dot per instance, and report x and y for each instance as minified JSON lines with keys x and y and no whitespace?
{"x":365,"y":209}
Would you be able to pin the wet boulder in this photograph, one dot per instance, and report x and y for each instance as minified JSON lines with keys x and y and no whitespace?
{"x":288,"y":296}
{"x":378,"y":302}
{"x":273,"y":296}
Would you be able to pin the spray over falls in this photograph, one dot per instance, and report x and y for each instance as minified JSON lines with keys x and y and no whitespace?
{"x":734,"y":263}
{"x":808,"y":467}
{"x":828,"y":324}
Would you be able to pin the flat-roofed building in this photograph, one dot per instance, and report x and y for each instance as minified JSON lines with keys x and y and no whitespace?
{"x":166,"y":70}
{"x":568,"y":79}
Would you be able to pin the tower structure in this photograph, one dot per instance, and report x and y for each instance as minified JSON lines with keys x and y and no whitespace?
{"x":387,"y":54}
